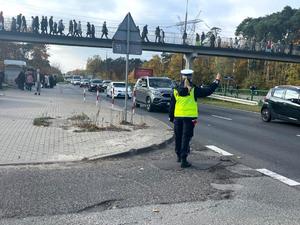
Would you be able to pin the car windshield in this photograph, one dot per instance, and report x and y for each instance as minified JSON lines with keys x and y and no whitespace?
{"x":86,"y":80}
{"x":97,"y":81}
{"x":76,"y":77}
{"x":160,"y":83}
{"x":119,"y":85}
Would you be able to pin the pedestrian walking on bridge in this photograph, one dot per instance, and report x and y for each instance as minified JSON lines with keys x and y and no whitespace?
{"x":51,"y":25}
{"x":145,"y":33}
{"x":157,"y":34}
{"x":1,"y":21}
{"x":184,"y":112}
{"x":104,"y":31}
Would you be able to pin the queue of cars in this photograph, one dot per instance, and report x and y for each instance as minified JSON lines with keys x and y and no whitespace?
{"x":281,"y":102}
{"x":153,"y":92}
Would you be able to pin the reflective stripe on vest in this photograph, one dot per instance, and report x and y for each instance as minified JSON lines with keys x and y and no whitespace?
{"x":185,"y":106}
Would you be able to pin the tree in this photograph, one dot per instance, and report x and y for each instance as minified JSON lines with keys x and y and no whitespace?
{"x":175,"y":66}
{"x":94,"y":65}
{"x":275,"y":26}
{"x":293,"y":74}
{"x":38,"y":57}
{"x":155,"y":64}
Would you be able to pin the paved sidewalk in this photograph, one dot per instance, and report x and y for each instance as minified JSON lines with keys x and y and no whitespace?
{"x":22,"y":142}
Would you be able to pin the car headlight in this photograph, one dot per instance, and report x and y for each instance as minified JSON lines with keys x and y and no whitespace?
{"x":157,"y":93}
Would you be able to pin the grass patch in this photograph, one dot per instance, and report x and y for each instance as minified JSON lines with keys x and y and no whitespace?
{"x":230,"y":105}
{"x":42,"y":121}
{"x":81,"y":117}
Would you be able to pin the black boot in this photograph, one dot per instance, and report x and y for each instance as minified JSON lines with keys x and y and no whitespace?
{"x":185,"y":163}
{"x":178,"y":158}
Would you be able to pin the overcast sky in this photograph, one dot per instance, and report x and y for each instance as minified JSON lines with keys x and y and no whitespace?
{"x":226,"y":14}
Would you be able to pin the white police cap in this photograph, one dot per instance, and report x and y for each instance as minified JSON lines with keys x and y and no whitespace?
{"x":187,"y":72}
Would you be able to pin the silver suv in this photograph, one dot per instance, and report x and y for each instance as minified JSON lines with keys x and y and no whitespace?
{"x":153,"y":91}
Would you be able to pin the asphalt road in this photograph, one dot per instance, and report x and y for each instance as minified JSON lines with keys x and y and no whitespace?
{"x":274,"y":146}
{"x":148,"y":188}
{"x":120,"y":182}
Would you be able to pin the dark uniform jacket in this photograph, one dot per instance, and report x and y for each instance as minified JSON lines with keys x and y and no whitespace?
{"x":199,"y":92}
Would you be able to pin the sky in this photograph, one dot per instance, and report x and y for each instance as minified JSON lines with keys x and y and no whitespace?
{"x":226,"y":14}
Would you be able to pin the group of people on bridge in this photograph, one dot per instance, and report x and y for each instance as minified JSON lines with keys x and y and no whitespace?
{"x":250,"y":44}
{"x":211,"y":39}
{"x":51,"y":27}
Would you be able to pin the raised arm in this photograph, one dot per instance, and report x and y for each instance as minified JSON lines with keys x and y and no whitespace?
{"x":201,"y":92}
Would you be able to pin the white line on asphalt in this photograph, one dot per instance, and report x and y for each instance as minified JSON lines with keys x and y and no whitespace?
{"x":218,"y":150}
{"x":221,"y":117}
{"x":298,"y":135}
{"x":278,"y":177}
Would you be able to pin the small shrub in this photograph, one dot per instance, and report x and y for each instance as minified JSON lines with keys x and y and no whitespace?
{"x":42,"y":121}
{"x":81,"y":117}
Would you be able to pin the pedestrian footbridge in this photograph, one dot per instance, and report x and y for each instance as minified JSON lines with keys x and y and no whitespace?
{"x":190,"y":51}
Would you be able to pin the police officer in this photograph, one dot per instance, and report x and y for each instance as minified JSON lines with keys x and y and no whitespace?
{"x":184,"y":112}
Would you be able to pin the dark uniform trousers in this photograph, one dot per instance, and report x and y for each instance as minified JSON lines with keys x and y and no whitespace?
{"x":184,"y":130}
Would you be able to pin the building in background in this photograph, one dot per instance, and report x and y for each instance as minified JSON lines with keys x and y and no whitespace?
{"x":12,"y":68}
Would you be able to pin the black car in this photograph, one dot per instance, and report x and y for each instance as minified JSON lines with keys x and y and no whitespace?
{"x":94,"y":84}
{"x":283,"y":103}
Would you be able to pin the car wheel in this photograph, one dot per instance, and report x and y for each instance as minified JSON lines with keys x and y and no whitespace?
{"x":149,"y":106}
{"x":266,"y":115}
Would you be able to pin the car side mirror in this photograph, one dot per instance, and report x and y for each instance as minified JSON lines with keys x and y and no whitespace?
{"x":144,"y":85}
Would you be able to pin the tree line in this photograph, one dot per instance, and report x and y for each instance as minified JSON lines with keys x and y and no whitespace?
{"x":279,"y":26}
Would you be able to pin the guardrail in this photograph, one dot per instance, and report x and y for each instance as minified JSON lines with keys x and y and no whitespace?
{"x":231,"y":99}
{"x":247,"y":94}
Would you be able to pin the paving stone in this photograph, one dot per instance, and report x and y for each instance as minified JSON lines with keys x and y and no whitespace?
{"x":22,"y":142}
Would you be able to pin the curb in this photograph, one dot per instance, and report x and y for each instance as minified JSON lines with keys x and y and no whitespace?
{"x":128,"y":153}
{"x":132,"y":152}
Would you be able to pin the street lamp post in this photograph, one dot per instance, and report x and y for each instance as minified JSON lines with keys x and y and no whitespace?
{"x":185,"y":22}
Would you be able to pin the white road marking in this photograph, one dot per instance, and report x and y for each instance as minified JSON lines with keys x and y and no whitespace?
{"x":218,"y":150}
{"x":278,"y":177}
{"x":298,"y":135}
{"x":221,"y":117}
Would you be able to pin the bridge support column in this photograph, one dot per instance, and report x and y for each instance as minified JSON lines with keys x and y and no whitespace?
{"x":189,"y":58}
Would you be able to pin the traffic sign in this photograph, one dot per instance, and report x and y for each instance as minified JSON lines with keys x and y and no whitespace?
{"x":127,"y":32}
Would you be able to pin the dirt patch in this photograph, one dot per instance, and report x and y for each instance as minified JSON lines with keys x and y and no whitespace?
{"x":135,"y":126}
{"x":90,"y":127}
{"x":42,"y":121}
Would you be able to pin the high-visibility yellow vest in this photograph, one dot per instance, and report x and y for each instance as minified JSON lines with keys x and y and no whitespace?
{"x":185,"y":106}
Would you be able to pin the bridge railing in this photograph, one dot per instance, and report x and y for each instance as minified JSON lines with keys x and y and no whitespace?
{"x":176,"y":38}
